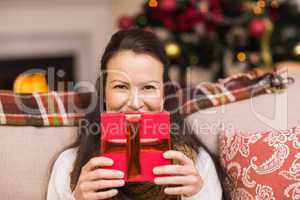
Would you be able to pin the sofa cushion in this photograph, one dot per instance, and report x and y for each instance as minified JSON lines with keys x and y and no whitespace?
{"x":276,"y":111}
{"x":261,"y":165}
{"x":26,"y":156}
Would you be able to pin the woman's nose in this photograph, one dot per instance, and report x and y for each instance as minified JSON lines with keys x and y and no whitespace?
{"x":135,"y":102}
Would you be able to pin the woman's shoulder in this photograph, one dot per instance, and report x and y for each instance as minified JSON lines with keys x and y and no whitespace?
{"x":67,"y":157}
{"x":58,"y":187}
{"x":205,"y":162}
{"x":203,"y":155}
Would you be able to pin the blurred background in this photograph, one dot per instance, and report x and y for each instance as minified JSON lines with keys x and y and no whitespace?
{"x":204,"y":39}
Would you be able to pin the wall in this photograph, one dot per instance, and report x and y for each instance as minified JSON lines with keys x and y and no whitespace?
{"x":57,"y":26}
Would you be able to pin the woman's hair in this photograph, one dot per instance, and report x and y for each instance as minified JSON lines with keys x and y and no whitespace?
{"x":140,"y":42}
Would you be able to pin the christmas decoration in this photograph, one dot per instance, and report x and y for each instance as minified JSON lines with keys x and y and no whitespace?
{"x":172,"y":50}
{"x":297,"y":49}
{"x":168,"y":5}
{"x":257,"y":28}
{"x":142,"y":20}
{"x":265,"y":46}
{"x":126,"y":22}
{"x":222,"y":37}
{"x":153,"y":3}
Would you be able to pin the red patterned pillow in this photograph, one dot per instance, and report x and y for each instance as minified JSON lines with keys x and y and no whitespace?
{"x":261,"y":166}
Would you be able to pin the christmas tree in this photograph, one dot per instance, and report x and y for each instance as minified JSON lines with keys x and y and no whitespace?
{"x":211,"y":39}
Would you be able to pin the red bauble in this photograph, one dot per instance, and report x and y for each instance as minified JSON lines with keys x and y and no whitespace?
{"x":217,"y":18}
{"x":169,"y":23}
{"x":191,"y":12}
{"x":257,"y":27}
{"x":168,"y":5}
{"x":188,"y":18}
{"x":182,"y":23}
{"x":126,"y":22}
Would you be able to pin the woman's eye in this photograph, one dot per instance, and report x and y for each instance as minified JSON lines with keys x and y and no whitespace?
{"x":149,"y":87}
{"x":120,"y":87}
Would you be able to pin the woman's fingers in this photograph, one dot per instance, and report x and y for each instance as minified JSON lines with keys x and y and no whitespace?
{"x":177,"y":155}
{"x":97,"y":162}
{"x":175,"y":170}
{"x":101,"y":195}
{"x":183,"y":190}
{"x":101,"y":184}
{"x":185,"y":180}
{"x":102,"y":174}
{"x":176,"y":180}
{"x":94,"y":178}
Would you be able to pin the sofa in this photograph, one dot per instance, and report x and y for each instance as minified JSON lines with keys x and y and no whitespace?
{"x":29,"y":145}
{"x":26,"y":155}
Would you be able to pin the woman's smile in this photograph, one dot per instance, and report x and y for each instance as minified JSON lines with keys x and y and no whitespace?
{"x":134,"y":83}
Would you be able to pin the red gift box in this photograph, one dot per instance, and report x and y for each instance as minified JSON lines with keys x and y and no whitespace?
{"x":136,"y":142}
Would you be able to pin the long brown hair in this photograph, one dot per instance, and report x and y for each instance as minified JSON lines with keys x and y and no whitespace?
{"x":140,"y":42}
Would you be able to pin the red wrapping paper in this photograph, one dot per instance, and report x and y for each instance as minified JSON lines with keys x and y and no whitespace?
{"x":136,"y":142}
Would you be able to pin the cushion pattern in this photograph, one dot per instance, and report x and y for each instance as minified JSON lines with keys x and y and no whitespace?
{"x":261,"y":165}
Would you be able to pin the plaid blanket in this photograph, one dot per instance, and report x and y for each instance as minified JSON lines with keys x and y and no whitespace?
{"x":43,"y":109}
{"x":65,"y":109}
{"x":232,"y":89}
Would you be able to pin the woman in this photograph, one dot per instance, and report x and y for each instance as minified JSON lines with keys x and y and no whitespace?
{"x":134,"y":79}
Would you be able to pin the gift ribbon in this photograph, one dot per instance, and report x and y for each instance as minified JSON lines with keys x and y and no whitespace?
{"x":134,"y":144}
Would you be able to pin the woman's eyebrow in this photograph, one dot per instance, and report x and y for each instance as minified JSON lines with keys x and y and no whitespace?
{"x":124,"y":82}
{"x":153,"y":81}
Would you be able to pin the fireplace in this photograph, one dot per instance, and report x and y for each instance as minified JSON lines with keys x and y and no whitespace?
{"x":64,"y":59}
{"x":60,"y":68}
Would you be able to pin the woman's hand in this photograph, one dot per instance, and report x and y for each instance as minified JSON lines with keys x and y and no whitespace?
{"x":182,"y":179}
{"x":93,"y":178}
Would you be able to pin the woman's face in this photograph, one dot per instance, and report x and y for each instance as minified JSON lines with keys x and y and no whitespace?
{"x":134,"y":83}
